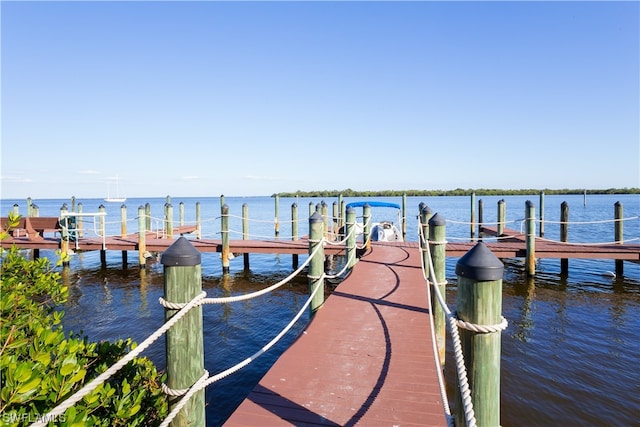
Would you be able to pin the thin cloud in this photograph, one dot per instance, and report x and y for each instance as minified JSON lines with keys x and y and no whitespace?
{"x":190,"y":178}
{"x":261,"y":178}
{"x":89,"y":172}
{"x":15,"y":179}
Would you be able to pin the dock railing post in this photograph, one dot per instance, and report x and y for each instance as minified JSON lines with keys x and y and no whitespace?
{"x":404,"y":216}
{"x":316,"y":266}
{"x":480,"y":218}
{"x":123,"y":233}
{"x":619,"y":235}
{"x":437,"y":247}
{"x":78,"y":223}
{"x":245,"y":232}
{"x":103,"y":233}
{"x":142,"y":236}
{"x":184,"y":341}
{"x":366,"y":217}
{"x":169,"y":220}
{"x":198,"y":222}
{"x":479,"y":304}
{"x":425,"y":216}
{"x":123,"y":220}
{"x":530,"y":218}
{"x":501,"y":217}
{"x":564,"y":234}
{"x":224,"y":234}
{"x":64,"y":234}
{"x":294,"y":232}
{"x":350,"y":234}
{"x":473,"y":215}
{"x":277,"y":208}
{"x":541,"y":215}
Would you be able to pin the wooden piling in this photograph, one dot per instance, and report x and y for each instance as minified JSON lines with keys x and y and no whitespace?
{"x":480,"y":218}
{"x":564,"y":235}
{"x":437,"y":247}
{"x":530,"y":218}
{"x":479,"y":302}
{"x":142,"y":236}
{"x":619,"y":234}
{"x":224,"y":234}
{"x":147,"y":216}
{"x":64,"y":235}
{"x":169,"y":220}
{"x":502,"y":212}
{"x":316,"y":266}
{"x":245,"y":232}
{"x":184,"y":341}
{"x":294,"y":232}
{"x":123,"y":233}
{"x":198,"y":222}
{"x":123,"y":221}
{"x":404,"y":217}
{"x":366,"y":218}
{"x":350,"y":235}
{"x":425,"y":216}
{"x":103,"y":233}
{"x":541,"y":214}
{"x":473,"y":216}
{"x":277,"y":207}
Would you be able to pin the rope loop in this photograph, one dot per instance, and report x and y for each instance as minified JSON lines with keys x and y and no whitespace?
{"x":482,"y":329}
{"x":181,"y":392}
{"x":178,"y":305}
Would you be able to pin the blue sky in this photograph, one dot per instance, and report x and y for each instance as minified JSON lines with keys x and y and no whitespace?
{"x":253,"y":98}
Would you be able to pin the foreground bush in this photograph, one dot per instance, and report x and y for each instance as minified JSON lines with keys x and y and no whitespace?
{"x":40,"y":366}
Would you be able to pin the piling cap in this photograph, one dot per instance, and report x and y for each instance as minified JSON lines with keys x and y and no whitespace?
{"x":182,"y":253}
{"x":437,"y":219}
{"x":316,"y":217}
{"x":480,"y":264}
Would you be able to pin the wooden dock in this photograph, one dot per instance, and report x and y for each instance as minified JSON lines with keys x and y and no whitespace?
{"x":366,"y":357}
{"x":511,"y":245}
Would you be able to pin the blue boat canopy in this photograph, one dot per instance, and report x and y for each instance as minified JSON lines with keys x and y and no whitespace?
{"x":373,"y":204}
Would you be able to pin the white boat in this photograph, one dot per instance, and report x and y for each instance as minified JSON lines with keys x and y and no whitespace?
{"x":381,"y":231}
{"x":117,"y":198}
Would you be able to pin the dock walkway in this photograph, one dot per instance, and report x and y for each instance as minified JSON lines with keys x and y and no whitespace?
{"x":366,"y":358}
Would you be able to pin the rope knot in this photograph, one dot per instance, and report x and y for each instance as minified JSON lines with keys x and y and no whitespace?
{"x":181,"y":392}
{"x":179,"y":305}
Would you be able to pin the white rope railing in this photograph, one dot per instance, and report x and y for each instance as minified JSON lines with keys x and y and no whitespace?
{"x":201,"y":384}
{"x":183,"y":309}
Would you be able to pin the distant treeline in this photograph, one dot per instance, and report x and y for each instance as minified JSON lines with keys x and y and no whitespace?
{"x":457,"y":192}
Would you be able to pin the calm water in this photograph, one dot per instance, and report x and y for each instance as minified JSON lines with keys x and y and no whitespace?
{"x":569,"y":356}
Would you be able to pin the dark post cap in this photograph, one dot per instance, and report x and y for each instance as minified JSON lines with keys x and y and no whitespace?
{"x":437,"y":219}
{"x":350,"y":210}
{"x":316,"y":217}
{"x":182,"y":253}
{"x":426,"y":210}
{"x":480,"y":264}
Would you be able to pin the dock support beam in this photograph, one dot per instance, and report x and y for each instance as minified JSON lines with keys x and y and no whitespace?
{"x":316,"y":266}
{"x":530,"y":218}
{"x":184,"y":342}
{"x":437,"y":246}
{"x":479,"y":303}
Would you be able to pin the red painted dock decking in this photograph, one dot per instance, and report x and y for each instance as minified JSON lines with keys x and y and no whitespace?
{"x":366,"y":357}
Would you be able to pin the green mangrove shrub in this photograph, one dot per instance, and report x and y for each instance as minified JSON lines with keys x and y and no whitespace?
{"x":41,"y":366}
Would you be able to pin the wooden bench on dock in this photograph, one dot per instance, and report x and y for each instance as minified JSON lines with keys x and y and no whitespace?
{"x":34,"y":228}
